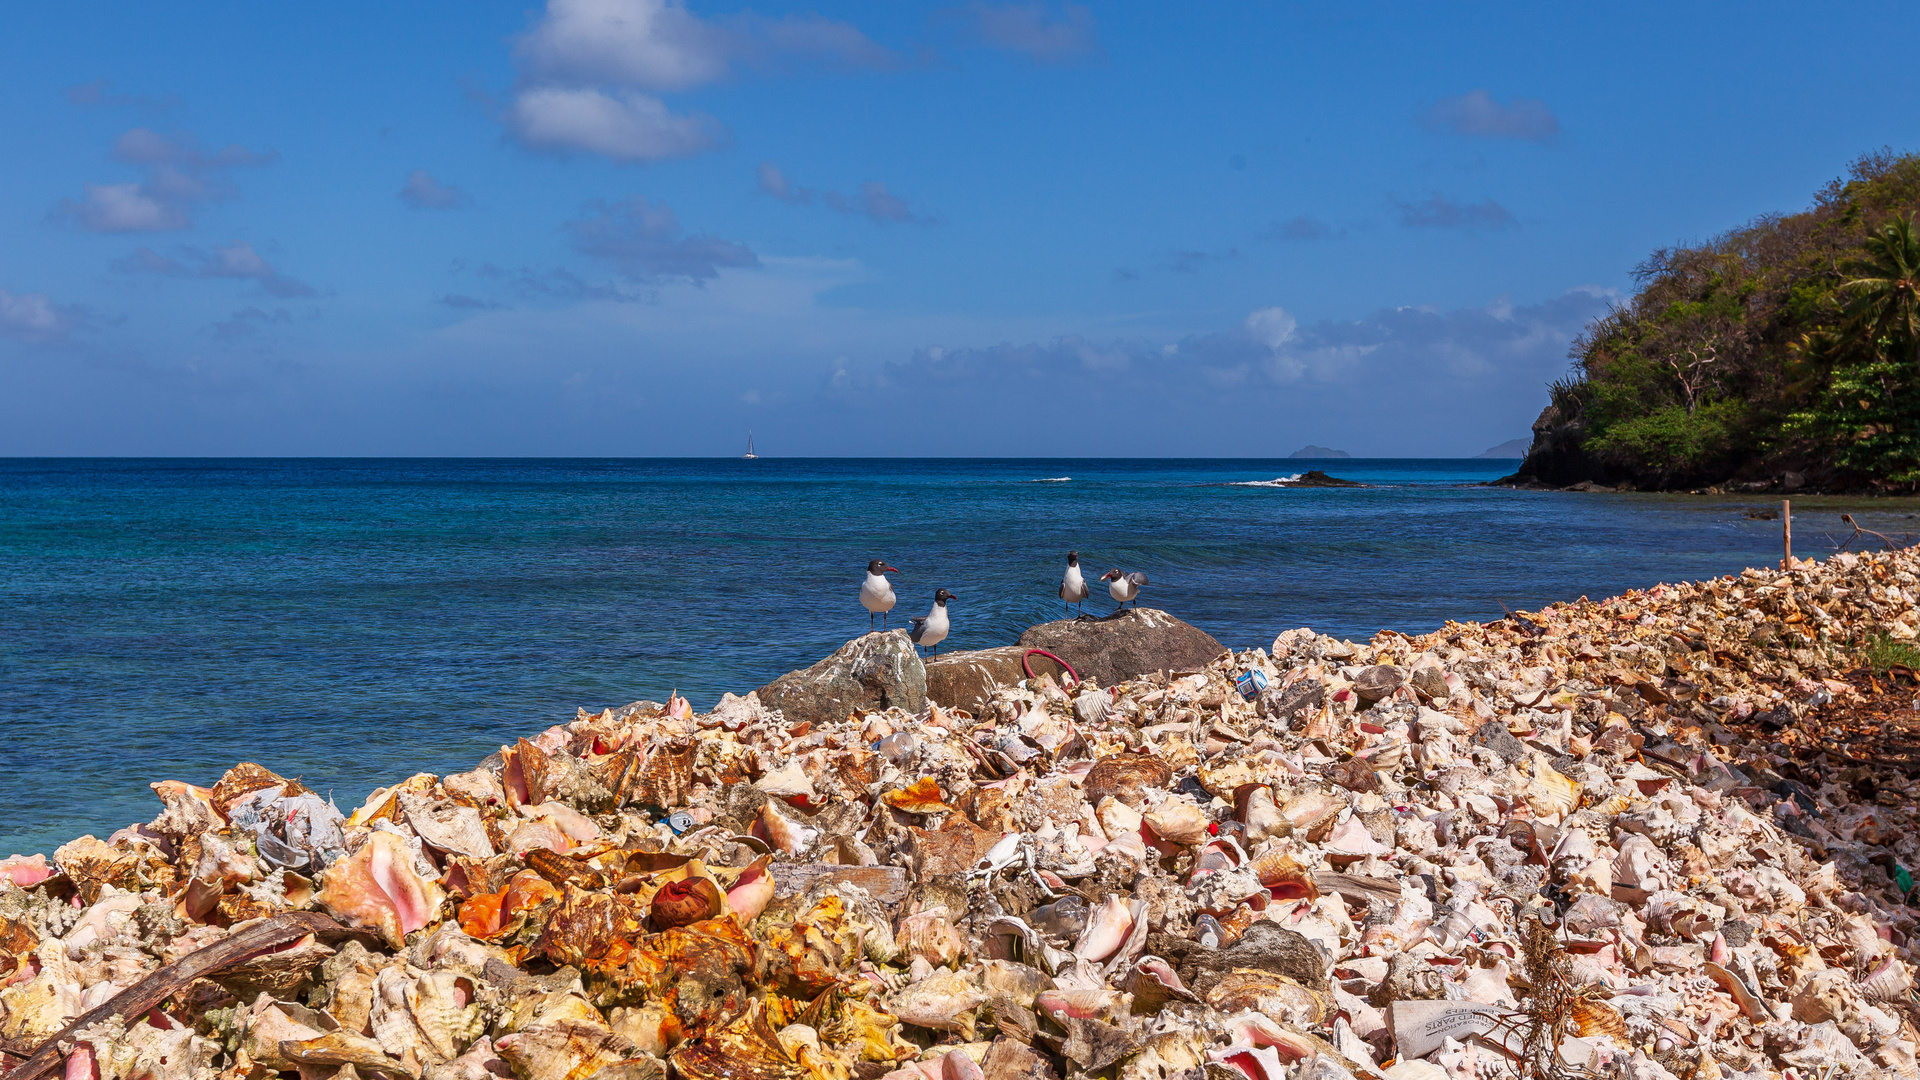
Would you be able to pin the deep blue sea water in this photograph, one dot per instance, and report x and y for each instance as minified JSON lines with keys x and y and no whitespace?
{"x":355,"y":621}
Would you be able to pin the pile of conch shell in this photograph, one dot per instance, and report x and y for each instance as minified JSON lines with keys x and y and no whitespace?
{"x":1538,"y":847}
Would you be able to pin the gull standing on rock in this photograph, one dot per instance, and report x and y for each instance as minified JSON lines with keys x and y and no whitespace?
{"x":930,"y":630}
{"x":876,"y":593}
{"x":1073,"y":587}
{"x":1124,"y":587}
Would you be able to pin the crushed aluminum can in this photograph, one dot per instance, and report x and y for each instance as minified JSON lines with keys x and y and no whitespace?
{"x":680,"y":821}
{"x":1251,"y":683}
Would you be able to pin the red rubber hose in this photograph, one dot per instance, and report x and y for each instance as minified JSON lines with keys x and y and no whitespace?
{"x":1027,"y":667}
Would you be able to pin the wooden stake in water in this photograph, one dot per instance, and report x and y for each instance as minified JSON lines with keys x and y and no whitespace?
{"x":1786,"y":532}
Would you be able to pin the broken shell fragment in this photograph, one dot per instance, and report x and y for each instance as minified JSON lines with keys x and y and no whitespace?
{"x":1107,"y":929}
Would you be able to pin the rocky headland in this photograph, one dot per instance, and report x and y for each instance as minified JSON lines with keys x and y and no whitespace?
{"x":1667,"y":832}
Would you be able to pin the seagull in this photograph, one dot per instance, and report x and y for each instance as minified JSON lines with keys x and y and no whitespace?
{"x":931,"y":629}
{"x":1124,"y":587}
{"x":876,"y":593}
{"x":1073,"y":587}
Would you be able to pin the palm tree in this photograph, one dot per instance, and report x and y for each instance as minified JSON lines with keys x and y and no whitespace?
{"x":1886,"y":288}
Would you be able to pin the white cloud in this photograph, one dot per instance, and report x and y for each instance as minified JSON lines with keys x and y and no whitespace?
{"x":34,"y":317}
{"x":590,"y":70}
{"x":622,"y":125}
{"x":646,"y":242}
{"x":1475,"y":114}
{"x":423,"y":192}
{"x":100,"y":94}
{"x":237,"y":260}
{"x":249,"y":321}
{"x":1272,"y":325}
{"x":178,"y":175}
{"x":874,"y":202}
{"x":648,"y":44}
{"x":116,"y":208}
{"x":1036,"y":32}
{"x":774,"y":182}
{"x":1440,"y":212}
{"x":1270,"y":349}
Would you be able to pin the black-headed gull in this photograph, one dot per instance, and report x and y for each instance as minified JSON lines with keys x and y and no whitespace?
{"x":1124,"y":587}
{"x":876,"y":593}
{"x":930,"y":630}
{"x":1073,"y":587}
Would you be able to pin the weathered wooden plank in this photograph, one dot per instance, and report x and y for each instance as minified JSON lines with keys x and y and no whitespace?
{"x":887,"y":884}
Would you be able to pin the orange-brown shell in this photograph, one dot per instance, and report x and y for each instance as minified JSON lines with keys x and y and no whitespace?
{"x":1285,"y":878}
{"x":682,"y":903}
{"x":923,"y":796}
{"x":1125,"y":777}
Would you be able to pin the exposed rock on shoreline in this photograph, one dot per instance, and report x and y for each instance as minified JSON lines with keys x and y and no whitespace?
{"x":1109,"y":649}
{"x":1316,"y":478}
{"x":878,"y":670}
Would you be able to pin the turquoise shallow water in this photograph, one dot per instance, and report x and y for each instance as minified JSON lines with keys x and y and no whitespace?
{"x":354,"y":621}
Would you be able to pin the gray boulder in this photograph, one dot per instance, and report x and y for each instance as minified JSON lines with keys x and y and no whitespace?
{"x":1124,"y":645}
{"x":965,"y":680}
{"x":873,"y":671}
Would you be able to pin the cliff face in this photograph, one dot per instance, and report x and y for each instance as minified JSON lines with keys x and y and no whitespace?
{"x":1559,"y":458}
{"x":1555,"y":459}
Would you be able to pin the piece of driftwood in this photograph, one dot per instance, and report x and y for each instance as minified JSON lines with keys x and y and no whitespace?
{"x":1889,"y":542}
{"x":149,"y":992}
{"x":886,"y":884}
{"x":1357,"y":889}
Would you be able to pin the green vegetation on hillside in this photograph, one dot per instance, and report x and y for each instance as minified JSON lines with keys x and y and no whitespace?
{"x":1792,"y":342}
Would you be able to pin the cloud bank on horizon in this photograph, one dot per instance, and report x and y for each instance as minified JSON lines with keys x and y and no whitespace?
{"x":644,"y":226}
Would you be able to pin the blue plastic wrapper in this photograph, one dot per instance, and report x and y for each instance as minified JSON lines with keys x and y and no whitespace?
{"x":1251,"y":683}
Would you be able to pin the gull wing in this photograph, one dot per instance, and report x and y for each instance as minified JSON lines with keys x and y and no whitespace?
{"x":1137,"y":578}
{"x":919,"y":626}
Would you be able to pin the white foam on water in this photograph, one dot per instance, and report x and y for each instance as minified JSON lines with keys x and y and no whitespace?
{"x":1283,"y":481}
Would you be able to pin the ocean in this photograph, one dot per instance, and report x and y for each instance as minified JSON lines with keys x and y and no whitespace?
{"x":352,"y":622}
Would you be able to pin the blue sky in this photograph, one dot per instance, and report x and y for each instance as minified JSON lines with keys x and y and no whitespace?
{"x":638,"y":227}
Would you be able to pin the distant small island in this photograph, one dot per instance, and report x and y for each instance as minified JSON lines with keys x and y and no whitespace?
{"x":1780,"y":356}
{"x":1512,"y":448}
{"x":1311,"y":451}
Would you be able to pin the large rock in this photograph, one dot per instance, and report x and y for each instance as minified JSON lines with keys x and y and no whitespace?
{"x":965,"y":680}
{"x":1125,"y":645}
{"x":873,"y":671}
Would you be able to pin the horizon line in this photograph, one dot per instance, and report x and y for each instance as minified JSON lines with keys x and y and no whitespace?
{"x":688,"y":457}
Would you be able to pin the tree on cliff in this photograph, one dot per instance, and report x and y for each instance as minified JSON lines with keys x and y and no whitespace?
{"x":1792,"y":342}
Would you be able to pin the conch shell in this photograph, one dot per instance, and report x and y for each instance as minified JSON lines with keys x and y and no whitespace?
{"x":1551,"y":792}
{"x":752,"y":891}
{"x":942,"y":1000}
{"x":377,"y":886}
{"x":929,"y":935}
{"x":1890,"y":980}
{"x":1178,"y":820}
{"x":1107,"y":929}
{"x":1285,"y":878}
{"x":1263,"y":819}
{"x":683,"y":903}
{"x":1126,"y":778}
{"x":1276,"y":996}
{"x":1153,"y":983}
{"x":783,"y":829}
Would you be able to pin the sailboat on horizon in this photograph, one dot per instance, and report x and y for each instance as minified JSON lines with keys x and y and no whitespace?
{"x":749,"y":455}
